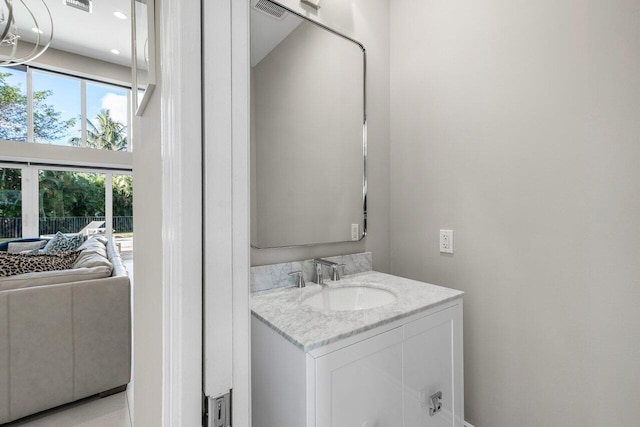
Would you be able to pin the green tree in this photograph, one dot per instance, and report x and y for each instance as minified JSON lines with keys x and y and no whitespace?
{"x":10,"y":193}
{"x":48,"y":124}
{"x":106,"y":133}
{"x":67,"y":194}
{"x":122,"y":195}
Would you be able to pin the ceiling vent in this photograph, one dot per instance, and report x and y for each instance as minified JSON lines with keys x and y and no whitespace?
{"x":84,"y":5}
{"x":271,"y":9}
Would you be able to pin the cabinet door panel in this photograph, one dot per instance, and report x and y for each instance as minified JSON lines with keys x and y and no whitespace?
{"x":361,"y":385}
{"x":428,"y":368}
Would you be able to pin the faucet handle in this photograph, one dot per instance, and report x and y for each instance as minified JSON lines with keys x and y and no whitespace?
{"x":335,"y":274}
{"x":299,"y":279}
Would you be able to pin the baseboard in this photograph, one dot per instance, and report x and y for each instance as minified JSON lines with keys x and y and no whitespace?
{"x":466,"y":424}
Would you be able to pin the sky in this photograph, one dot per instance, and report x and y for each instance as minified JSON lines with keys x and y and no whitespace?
{"x":66,"y":97}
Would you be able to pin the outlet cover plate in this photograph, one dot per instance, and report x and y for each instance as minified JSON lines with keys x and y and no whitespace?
{"x":446,"y":241}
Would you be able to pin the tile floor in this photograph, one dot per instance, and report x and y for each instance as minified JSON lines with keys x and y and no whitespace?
{"x":112,"y":411}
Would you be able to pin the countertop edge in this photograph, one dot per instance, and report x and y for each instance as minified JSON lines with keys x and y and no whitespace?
{"x":322,"y":343}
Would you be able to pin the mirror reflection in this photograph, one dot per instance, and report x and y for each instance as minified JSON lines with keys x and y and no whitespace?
{"x":307,"y":131}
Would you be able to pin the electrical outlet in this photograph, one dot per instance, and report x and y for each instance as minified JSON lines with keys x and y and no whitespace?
{"x":355,"y":231}
{"x":446,"y":241}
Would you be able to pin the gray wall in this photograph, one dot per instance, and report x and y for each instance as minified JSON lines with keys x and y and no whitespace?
{"x":306,"y":151}
{"x":368,"y":22}
{"x":516,"y":123}
{"x":83,"y":66}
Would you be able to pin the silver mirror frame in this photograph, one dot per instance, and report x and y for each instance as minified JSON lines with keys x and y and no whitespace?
{"x":139,"y":103}
{"x":364,"y":134}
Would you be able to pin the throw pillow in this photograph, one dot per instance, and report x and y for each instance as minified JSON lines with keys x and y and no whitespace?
{"x":61,"y":243}
{"x":17,"y":247}
{"x":14,"y":264}
{"x":78,"y":240}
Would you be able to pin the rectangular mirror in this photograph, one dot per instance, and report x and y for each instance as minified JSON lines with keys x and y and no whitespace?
{"x":144,"y":69}
{"x":308,"y":131}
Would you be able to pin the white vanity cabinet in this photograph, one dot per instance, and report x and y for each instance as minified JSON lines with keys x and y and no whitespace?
{"x":383,"y":377}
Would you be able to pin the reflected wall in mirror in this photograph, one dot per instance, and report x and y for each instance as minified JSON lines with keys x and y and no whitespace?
{"x":308,"y":131}
{"x":143,"y":52}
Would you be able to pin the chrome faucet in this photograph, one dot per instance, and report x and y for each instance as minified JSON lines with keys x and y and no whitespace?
{"x":319,"y":276}
{"x":317,"y":265}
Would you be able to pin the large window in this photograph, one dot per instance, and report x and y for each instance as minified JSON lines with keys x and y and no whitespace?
{"x":70,"y":200}
{"x":45,"y":107}
{"x":57,"y":108}
{"x":13,"y":104}
{"x":10,"y":203}
{"x":42,"y":200}
{"x":122,"y":199}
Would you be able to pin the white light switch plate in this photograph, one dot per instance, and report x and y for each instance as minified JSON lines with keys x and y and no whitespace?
{"x":446,"y":241}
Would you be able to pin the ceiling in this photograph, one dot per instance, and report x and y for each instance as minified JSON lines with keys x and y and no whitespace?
{"x":92,"y":35}
{"x":267,"y":32}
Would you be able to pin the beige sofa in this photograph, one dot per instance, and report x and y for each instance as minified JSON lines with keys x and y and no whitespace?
{"x":65,"y":335}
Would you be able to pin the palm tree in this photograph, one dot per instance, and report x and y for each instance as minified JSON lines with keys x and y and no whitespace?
{"x":107,"y":135}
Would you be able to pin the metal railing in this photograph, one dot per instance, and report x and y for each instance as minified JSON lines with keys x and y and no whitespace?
{"x":11,"y":228}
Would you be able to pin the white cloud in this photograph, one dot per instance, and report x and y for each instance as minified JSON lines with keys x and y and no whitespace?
{"x":117,"y":106}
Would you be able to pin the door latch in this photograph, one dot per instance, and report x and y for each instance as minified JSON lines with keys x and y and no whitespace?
{"x":218,"y":411}
{"x":435,"y":403}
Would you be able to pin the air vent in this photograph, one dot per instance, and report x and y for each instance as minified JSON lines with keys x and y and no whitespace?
{"x":84,"y":5}
{"x":271,"y":9}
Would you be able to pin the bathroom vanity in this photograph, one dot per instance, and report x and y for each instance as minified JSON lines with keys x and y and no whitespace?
{"x":370,"y":350}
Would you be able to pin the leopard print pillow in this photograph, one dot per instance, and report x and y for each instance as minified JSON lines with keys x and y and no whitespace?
{"x":14,"y":264}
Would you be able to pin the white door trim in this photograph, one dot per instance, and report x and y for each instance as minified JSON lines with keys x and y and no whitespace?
{"x":240,"y":106}
{"x":181,"y":144}
{"x":226,"y":219}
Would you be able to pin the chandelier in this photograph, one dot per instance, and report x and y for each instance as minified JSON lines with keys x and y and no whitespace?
{"x":25,"y":32}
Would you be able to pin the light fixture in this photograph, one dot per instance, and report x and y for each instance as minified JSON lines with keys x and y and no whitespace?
{"x":119,"y":15}
{"x":37,"y":17}
{"x":115,"y":51}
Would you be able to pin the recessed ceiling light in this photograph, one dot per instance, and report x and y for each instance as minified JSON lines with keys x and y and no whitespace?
{"x":119,"y":15}
{"x":37,"y":30}
{"x":115,"y":51}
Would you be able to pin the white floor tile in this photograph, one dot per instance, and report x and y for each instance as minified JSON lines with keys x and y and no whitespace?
{"x":112,"y":411}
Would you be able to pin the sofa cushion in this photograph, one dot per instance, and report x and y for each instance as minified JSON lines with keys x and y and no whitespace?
{"x":43,"y":278}
{"x":61,"y":243}
{"x":14,"y":264}
{"x":94,"y":242}
{"x":93,"y":258}
{"x":17,"y":247}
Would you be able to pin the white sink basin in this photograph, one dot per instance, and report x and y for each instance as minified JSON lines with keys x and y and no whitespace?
{"x":350,"y":297}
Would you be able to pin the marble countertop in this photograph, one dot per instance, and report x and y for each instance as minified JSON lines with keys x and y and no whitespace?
{"x":309,"y":328}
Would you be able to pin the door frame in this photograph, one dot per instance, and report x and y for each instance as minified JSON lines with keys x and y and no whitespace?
{"x":186,"y":145}
{"x":226,"y":205}
{"x":180,"y":140}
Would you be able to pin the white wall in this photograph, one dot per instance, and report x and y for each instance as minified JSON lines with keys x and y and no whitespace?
{"x":368,"y":22}
{"x":517,"y":125}
{"x":82,"y":66}
{"x":147,"y":258}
